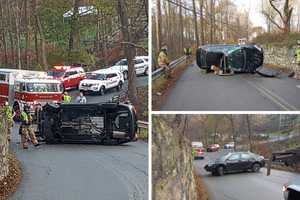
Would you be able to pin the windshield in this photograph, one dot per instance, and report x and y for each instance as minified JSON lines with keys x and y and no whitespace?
{"x":43,"y":87}
{"x":56,"y":73}
{"x":96,"y":76}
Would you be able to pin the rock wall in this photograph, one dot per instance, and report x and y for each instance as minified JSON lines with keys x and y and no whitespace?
{"x":281,"y":56}
{"x":3,"y":148}
{"x":172,"y":167}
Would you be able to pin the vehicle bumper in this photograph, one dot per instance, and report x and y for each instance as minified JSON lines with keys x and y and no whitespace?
{"x":140,"y":71}
{"x":209,"y":168}
{"x":89,"y":89}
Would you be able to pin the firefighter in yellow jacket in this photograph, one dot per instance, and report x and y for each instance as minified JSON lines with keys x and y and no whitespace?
{"x":163,"y":61}
{"x":297,"y":54}
{"x":26,"y":130}
{"x":9,"y":114}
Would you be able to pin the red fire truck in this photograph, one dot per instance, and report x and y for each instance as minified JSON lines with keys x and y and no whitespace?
{"x":20,"y":87}
{"x":69,"y":75}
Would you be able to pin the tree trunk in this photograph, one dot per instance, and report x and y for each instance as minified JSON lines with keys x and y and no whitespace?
{"x":249,"y":131}
{"x":158,"y":25}
{"x":233,"y":132}
{"x":17,"y":26}
{"x":201,"y":23}
{"x":195,"y":24}
{"x":74,"y":41}
{"x":40,"y":32}
{"x":26,"y":35}
{"x":129,"y":53}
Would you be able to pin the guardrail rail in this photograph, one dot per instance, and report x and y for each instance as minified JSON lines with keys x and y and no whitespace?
{"x":158,"y":72}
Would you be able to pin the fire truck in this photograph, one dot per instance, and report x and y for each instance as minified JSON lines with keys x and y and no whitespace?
{"x":20,"y":87}
{"x":69,"y":75}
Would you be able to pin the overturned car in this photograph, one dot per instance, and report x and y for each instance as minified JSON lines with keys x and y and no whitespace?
{"x":107,"y":123}
{"x":237,"y":58}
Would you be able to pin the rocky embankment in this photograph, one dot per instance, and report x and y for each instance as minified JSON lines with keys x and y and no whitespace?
{"x":172,"y":165}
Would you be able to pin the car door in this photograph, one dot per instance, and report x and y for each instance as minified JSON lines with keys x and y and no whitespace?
{"x":115,"y":80}
{"x":233,"y":162}
{"x":246,"y":161}
{"x":109,"y":81}
{"x":67,"y":80}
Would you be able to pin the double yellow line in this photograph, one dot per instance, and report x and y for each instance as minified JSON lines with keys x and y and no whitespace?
{"x":273,"y":97}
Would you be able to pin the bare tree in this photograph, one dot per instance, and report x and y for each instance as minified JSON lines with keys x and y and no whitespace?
{"x":284,"y":15}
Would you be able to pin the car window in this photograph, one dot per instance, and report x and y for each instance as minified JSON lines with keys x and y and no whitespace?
{"x":70,"y":73}
{"x":245,"y":156}
{"x":234,"y":157}
{"x":138,"y":61}
{"x":3,"y":77}
{"x":111,"y":75}
{"x":123,"y":62}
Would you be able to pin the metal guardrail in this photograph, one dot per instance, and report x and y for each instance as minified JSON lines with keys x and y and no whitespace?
{"x":143,"y":124}
{"x":157,"y":73}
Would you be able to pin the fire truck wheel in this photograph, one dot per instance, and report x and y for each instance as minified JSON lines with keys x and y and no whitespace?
{"x":102,"y":90}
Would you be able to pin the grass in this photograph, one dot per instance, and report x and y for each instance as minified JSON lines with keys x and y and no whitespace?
{"x":143,"y":134}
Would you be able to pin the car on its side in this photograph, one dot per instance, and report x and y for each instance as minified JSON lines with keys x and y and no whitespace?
{"x":229,"y":145}
{"x":198,"y":150}
{"x":141,"y":65}
{"x":291,"y":190}
{"x":213,"y":147}
{"x":101,"y":80}
{"x":235,"y":162}
{"x":103,"y":123}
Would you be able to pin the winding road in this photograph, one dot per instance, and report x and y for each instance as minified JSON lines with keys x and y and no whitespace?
{"x":76,"y":172}
{"x":79,"y":172}
{"x":198,"y":91}
{"x":243,"y":186}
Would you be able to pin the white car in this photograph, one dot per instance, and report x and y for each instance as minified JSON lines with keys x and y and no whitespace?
{"x":101,"y":80}
{"x":141,"y":64}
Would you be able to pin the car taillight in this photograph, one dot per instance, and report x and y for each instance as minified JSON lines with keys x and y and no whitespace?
{"x":284,"y":188}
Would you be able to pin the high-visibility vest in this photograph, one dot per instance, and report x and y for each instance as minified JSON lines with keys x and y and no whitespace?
{"x":24,"y":116}
{"x":67,"y":99}
{"x":298,"y":55}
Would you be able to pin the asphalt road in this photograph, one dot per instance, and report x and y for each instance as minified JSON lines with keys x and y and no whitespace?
{"x":76,"y":172}
{"x":243,"y":186}
{"x":95,"y":98}
{"x":196,"y":90}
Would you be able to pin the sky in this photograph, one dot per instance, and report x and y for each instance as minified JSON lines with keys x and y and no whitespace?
{"x":256,"y":17}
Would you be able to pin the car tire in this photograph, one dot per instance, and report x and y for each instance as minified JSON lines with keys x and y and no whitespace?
{"x":120,"y":85}
{"x":102,"y":90}
{"x":125,"y":75}
{"x":255,"y":167}
{"x":220,"y":170}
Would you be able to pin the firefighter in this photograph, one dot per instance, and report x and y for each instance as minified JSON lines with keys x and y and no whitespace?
{"x":26,"y":129}
{"x":163,"y":61}
{"x":80,"y":98}
{"x":297,"y":53}
{"x":9,"y":114}
{"x":67,"y":98}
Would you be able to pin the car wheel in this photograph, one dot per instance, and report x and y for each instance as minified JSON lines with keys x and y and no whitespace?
{"x":146,"y":72}
{"x":255,"y":167}
{"x":220,"y":171}
{"x":102,"y":90}
{"x":125,"y":74}
{"x":120,"y":85}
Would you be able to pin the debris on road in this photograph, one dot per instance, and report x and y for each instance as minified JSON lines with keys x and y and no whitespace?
{"x":267,"y":72}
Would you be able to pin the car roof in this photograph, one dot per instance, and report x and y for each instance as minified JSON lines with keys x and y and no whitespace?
{"x":105,"y":71}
